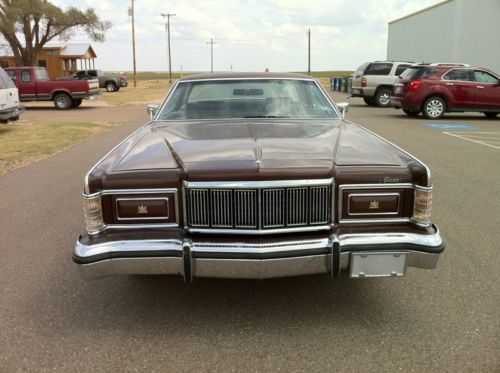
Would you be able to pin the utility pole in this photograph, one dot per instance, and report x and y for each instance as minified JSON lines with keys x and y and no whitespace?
{"x":211,"y":42}
{"x":167,"y":28}
{"x":308,"y":51}
{"x":132,"y":14}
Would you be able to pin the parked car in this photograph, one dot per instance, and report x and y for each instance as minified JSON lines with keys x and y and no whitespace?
{"x":34,"y":85}
{"x":243,"y":175}
{"x":374,"y":81}
{"x":435,"y":90}
{"x":10,"y":109}
{"x":112,"y":83}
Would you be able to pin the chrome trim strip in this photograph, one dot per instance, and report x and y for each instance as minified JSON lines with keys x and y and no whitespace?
{"x":313,"y":228}
{"x":373,"y":239}
{"x":373,"y":195}
{"x":86,"y":251}
{"x":258,"y":184}
{"x":370,"y":186}
{"x":141,"y":199}
{"x":428,"y":171}
{"x":261,"y":248}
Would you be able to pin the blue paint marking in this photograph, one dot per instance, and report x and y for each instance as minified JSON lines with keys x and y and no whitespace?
{"x":451,"y":126}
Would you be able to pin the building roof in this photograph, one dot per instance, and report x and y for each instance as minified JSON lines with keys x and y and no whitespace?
{"x":420,"y":11}
{"x":67,"y":49}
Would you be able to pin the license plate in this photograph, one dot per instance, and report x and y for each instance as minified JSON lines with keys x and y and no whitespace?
{"x":370,"y":264}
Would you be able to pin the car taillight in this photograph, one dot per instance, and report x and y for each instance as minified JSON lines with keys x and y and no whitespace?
{"x":363,"y":82}
{"x":92,"y":209}
{"x":122,"y":77}
{"x":422,"y":206}
{"x":414,"y":85}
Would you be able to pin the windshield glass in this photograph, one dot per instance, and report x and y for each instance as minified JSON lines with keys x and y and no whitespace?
{"x":417,"y":72}
{"x":257,"y":98}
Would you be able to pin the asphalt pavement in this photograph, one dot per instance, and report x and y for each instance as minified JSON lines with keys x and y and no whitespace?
{"x":443,"y":320}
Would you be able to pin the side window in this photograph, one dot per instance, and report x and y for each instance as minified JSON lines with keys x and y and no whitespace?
{"x":80,"y":74}
{"x":458,"y":74}
{"x":400,"y":69}
{"x":379,"y":68}
{"x":6,"y":80}
{"x":25,"y":76}
{"x":92,"y":73}
{"x":484,"y":77}
{"x":12,"y":75}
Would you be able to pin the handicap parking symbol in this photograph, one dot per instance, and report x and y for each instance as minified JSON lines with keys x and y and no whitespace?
{"x":450,"y":126}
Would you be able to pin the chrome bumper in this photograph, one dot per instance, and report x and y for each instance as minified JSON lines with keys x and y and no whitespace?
{"x":191,"y":258}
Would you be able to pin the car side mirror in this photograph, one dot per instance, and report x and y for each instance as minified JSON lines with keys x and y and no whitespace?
{"x":152,"y":109}
{"x":343,"y":107}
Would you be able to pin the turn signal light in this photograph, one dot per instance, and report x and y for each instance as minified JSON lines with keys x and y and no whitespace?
{"x":363,"y":82}
{"x":422,"y":206}
{"x":92,"y":209}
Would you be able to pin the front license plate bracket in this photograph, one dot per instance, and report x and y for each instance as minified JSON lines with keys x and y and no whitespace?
{"x":378,"y":264}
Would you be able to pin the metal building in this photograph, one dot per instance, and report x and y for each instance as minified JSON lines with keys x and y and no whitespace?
{"x":463,"y":31}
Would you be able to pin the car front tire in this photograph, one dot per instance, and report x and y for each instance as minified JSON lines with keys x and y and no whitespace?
{"x":434,"y":107}
{"x":383,"y":97}
{"x":62,"y":101}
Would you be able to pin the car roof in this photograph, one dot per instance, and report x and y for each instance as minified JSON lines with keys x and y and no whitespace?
{"x":244,"y":75}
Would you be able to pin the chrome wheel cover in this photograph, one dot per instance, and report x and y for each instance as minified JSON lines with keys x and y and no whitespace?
{"x":62,"y":102}
{"x":384,"y":99}
{"x":434,"y":108}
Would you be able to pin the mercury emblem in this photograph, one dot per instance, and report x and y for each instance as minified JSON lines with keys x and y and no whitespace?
{"x":374,"y":205}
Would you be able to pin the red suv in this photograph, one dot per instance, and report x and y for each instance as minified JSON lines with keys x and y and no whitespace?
{"x":435,"y":90}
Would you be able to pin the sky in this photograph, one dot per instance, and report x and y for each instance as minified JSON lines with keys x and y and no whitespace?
{"x":250,"y":35}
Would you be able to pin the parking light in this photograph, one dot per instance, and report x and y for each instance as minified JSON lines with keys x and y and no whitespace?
{"x":92,"y":209}
{"x":422,"y":206}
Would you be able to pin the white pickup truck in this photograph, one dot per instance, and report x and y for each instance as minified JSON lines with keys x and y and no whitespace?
{"x":9,"y":99}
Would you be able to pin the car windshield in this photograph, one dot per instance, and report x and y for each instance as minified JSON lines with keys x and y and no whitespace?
{"x":252,"y":98}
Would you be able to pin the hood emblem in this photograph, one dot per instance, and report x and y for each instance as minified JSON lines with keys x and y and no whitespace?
{"x":258,"y":154}
{"x":142,"y":210}
{"x":374,"y":205}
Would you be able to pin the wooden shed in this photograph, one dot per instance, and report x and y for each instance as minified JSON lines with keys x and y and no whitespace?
{"x":59,"y":59}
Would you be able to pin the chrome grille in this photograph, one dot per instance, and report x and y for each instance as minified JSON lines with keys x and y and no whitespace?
{"x":257,"y":208}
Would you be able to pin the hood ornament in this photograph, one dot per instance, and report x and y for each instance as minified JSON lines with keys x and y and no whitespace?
{"x":258,"y":153}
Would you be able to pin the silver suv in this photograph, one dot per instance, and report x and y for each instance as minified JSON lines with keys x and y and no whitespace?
{"x":374,"y":81}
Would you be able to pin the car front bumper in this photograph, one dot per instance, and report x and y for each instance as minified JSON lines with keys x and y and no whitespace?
{"x":362,"y":254}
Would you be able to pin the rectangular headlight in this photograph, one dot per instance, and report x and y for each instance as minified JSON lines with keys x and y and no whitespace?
{"x":422,"y":206}
{"x":92,"y":209}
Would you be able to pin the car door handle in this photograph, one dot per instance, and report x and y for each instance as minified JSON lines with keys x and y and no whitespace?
{"x":479,"y":86}
{"x":450,"y":84}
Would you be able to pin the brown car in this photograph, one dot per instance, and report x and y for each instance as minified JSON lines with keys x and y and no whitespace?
{"x":256,"y":176}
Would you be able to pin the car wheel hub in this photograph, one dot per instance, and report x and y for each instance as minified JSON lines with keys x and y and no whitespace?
{"x":384,"y":99}
{"x":435,"y":108}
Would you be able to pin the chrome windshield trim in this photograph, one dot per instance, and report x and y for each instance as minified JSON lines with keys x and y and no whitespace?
{"x":257,"y":184}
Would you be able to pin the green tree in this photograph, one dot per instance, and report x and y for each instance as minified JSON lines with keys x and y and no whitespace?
{"x":39,"y":21}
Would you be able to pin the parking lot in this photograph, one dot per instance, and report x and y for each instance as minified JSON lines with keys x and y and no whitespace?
{"x":440,"y":320}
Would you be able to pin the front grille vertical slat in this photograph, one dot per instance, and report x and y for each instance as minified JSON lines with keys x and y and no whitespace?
{"x":259,"y":208}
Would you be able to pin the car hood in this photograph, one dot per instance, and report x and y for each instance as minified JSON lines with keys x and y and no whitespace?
{"x":237,"y":148}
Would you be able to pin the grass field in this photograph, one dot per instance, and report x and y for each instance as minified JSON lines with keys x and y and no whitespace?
{"x":23,"y":144}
